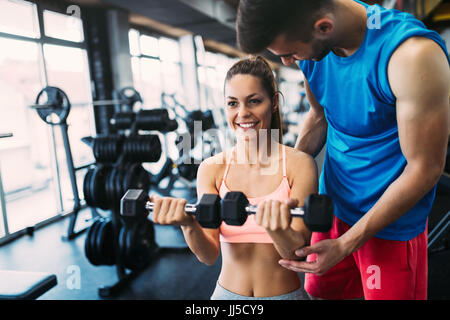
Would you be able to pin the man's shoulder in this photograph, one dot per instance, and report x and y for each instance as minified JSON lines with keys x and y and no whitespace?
{"x":417,"y":47}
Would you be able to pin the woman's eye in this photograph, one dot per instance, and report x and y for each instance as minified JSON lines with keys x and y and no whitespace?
{"x":255,"y":101}
{"x":231,"y":103}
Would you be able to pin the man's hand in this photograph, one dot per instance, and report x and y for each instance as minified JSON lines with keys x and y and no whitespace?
{"x":328,"y":253}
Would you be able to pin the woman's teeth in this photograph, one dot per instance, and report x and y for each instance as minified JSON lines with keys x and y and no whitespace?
{"x":247,"y":125}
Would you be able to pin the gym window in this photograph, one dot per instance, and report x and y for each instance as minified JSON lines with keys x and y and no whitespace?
{"x":156,"y":67}
{"x":45,"y":47}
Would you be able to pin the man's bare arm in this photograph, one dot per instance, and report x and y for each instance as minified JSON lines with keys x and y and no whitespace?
{"x":420,"y":80}
{"x":313,"y":132}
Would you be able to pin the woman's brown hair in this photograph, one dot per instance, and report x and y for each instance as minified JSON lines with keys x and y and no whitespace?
{"x":258,"y":67}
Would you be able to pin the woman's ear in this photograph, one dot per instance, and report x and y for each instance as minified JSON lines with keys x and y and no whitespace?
{"x":275,"y":102}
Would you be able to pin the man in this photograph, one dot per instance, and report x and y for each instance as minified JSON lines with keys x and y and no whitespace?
{"x":378,"y":84}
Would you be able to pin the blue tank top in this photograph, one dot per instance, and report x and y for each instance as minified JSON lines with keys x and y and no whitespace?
{"x":363,"y":155}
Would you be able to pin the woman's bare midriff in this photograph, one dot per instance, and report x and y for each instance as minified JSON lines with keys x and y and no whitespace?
{"x":252,"y":269}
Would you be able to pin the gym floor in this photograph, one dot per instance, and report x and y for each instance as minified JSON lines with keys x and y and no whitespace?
{"x":174,"y":275}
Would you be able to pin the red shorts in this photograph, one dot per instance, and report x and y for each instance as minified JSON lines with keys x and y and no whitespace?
{"x":379,"y":270}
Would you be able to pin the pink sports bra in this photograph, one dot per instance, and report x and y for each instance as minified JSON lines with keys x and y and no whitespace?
{"x":250,"y":232}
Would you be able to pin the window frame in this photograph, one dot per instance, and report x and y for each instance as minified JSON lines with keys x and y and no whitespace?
{"x":42,"y":40}
{"x":151,"y":33}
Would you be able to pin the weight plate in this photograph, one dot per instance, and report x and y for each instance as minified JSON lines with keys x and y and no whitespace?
{"x":85,"y":184}
{"x":119,"y":181}
{"x":100,"y":258}
{"x":92,"y":186}
{"x":105,"y":204}
{"x":111,"y":186}
{"x":145,"y":179}
{"x":104,"y":243}
{"x":107,"y":244}
{"x":88,"y":240}
{"x":131,"y":176}
{"x":133,"y":260}
{"x":87,"y":249}
{"x":92,"y":243}
{"x":123,"y":244}
{"x":130,"y":95}
{"x":98,"y":185}
{"x":141,"y":245}
{"x":107,"y":189}
{"x":58,"y":103}
{"x":94,"y":149}
{"x":86,"y":187}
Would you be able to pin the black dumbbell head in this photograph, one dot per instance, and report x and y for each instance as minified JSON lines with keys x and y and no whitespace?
{"x":318,"y":213}
{"x":233,"y":208}
{"x":133,"y":203}
{"x":208,"y":211}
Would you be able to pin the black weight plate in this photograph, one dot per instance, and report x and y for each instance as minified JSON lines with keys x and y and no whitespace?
{"x":140,"y":245}
{"x":58,"y":104}
{"x":132,"y":174}
{"x":130,"y":95}
{"x":95,"y":255}
{"x":133,"y":150}
{"x":118,"y":150}
{"x":111,"y":183}
{"x":139,"y":150}
{"x":93,"y":242}
{"x":88,"y":241}
{"x":89,"y":190}
{"x":100,"y":257}
{"x":107,"y":190}
{"x":131,"y":260}
{"x":112,"y":187}
{"x":155,"y":150}
{"x":145,"y":180}
{"x":87,"y":249}
{"x":107,"y":244}
{"x":86,"y":182}
{"x":105,"y":204}
{"x":123,"y":244}
{"x":104,"y":150}
{"x":142,"y":180}
{"x":123,"y":180}
{"x":104,"y":243}
{"x":125,"y":149}
{"x":112,"y":154}
{"x":92,"y":186}
{"x":94,"y":148}
{"x":111,"y":149}
{"x":99,"y":192}
{"x":118,"y":181}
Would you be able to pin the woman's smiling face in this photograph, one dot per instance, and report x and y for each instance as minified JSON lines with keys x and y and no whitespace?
{"x":248,"y":107}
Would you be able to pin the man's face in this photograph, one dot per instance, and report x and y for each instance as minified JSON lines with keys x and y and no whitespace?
{"x":291,"y":51}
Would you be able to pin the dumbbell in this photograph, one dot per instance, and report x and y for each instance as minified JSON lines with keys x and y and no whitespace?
{"x":207,"y":211}
{"x":317,"y":211}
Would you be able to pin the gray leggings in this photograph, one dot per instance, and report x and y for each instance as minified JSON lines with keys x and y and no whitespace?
{"x":220,"y":293}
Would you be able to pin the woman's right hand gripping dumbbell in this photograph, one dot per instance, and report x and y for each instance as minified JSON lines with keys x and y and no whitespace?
{"x":171,"y":211}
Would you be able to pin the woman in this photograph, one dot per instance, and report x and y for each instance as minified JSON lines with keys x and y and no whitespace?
{"x":272,"y":176}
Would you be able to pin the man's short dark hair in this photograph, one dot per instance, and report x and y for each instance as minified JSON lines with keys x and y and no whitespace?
{"x":259,"y":22}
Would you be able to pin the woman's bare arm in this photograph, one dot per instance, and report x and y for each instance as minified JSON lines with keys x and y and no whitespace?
{"x":203,"y":242}
{"x":290,"y":234}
